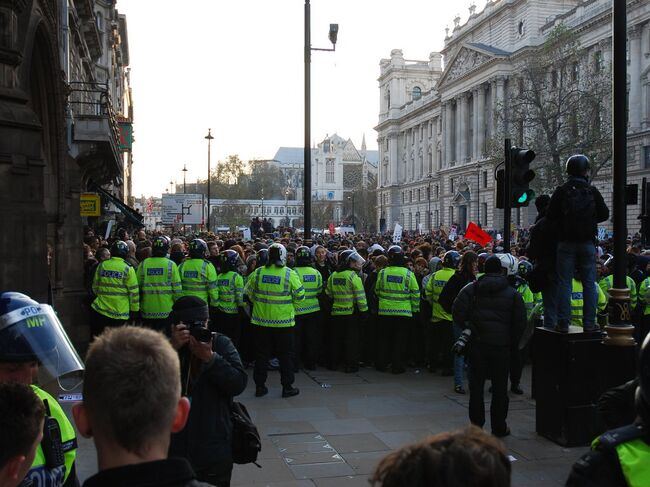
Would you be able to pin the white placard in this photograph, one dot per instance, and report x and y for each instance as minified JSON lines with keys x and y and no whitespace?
{"x":108,"y":229}
{"x":453,"y":233}
{"x":247,"y":233}
{"x":397,"y":233}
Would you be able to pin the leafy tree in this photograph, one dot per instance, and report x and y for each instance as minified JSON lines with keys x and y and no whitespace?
{"x":557,"y":106}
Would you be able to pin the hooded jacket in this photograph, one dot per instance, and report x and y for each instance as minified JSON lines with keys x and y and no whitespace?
{"x":492,"y":309}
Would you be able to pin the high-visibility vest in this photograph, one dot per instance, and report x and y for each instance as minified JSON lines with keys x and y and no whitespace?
{"x":230,"y":286}
{"x":312,"y":281}
{"x":199,"y":278}
{"x":39,"y":473}
{"x":346,"y":290}
{"x":577,"y":302}
{"x":606,"y":283}
{"x":397,"y":291}
{"x":116,"y":287}
{"x":160,"y":286}
{"x":632,"y":450}
{"x":274,"y":292}
{"x":528,"y":297}
{"x":644,"y":295}
{"x":433,"y":290}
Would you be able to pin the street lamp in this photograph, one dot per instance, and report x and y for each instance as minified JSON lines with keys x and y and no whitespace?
{"x":171,"y":186}
{"x":286,"y":205}
{"x":351,"y":197}
{"x":262,"y":203}
{"x":184,"y":174}
{"x":381,"y":210}
{"x":209,"y":139}
{"x":333,"y":34}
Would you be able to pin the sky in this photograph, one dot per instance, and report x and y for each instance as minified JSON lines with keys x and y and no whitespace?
{"x":237,"y":67}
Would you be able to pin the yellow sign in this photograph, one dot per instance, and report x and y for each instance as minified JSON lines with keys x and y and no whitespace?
{"x":90,"y":204}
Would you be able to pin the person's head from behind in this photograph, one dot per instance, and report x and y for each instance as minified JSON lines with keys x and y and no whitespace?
{"x":21,"y":423}
{"x":467,"y":457}
{"x":131,"y":395}
{"x":102,"y":254}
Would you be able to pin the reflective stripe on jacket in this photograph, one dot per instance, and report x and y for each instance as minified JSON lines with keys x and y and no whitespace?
{"x":230,"y":286}
{"x":160,"y":286}
{"x":116,"y":287}
{"x":606,"y":283}
{"x":274,"y":292}
{"x":433,"y":290}
{"x":577,"y":302}
{"x":346,"y":290}
{"x":398,"y":292}
{"x":312,"y":281}
{"x":199,"y":278}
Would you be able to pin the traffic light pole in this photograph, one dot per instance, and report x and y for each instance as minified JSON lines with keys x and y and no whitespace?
{"x":507,"y":195}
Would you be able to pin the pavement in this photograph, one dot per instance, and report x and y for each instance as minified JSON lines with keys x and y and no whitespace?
{"x":335,"y":432}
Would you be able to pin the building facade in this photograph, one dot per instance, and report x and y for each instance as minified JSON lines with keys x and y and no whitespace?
{"x":235,"y":213}
{"x":435,"y":124}
{"x":63,"y":84}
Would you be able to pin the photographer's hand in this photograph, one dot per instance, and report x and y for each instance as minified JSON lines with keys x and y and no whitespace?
{"x":180,"y":335}
{"x":201,"y":350}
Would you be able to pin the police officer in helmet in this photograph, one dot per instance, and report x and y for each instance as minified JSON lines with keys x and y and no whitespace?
{"x":32,"y":338}
{"x":621,"y":457}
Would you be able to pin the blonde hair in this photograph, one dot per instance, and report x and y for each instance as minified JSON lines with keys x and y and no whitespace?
{"x":131,"y":386}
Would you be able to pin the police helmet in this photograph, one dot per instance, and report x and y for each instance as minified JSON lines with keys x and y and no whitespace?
{"x":160,"y":246}
{"x":277,"y":255}
{"x":508,"y":262}
{"x":348,"y":258}
{"x":30,"y":331}
{"x":228,"y":260}
{"x":395,"y":255}
{"x":577,"y":165}
{"x":524,"y":268}
{"x":451,"y":259}
{"x":642,"y":397}
{"x":303,"y":256}
{"x":198,"y":249}
{"x":119,"y":249}
{"x":262,"y":257}
{"x":435,"y":263}
{"x":482,"y":257}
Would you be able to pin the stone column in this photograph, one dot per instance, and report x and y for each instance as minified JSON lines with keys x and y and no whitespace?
{"x":480,"y":123}
{"x":434,"y":144}
{"x":443,"y":133}
{"x":449,"y":127}
{"x":475,"y":125}
{"x":500,"y":111}
{"x":635,"y":78}
{"x":462,"y":127}
{"x":393,"y":161}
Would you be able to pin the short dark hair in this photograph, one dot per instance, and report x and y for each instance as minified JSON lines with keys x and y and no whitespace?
{"x":466,"y":457}
{"x":21,"y":416}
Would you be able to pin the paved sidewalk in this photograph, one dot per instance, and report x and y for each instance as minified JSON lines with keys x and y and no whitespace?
{"x":335,"y":432}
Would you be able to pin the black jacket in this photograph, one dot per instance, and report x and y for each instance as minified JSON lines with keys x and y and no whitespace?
{"x":451,"y":289}
{"x":207,"y":437}
{"x":494,"y":310}
{"x":572,"y":227}
{"x":173,"y":472}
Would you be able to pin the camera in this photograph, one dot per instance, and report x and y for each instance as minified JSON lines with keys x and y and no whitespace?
{"x":200,"y":332}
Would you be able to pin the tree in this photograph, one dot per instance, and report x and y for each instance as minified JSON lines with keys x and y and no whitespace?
{"x":557,"y":105}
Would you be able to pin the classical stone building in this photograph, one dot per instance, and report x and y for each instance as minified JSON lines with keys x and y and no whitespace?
{"x":435,"y":123}
{"x":63,"y":85}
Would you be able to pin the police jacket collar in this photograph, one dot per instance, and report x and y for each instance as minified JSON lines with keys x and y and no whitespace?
{"x":169,"y":472}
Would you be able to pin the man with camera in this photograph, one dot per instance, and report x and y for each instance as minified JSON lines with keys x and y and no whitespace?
{"x":211,"y":375}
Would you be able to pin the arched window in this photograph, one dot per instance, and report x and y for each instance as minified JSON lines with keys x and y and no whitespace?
{"x":99,"y":20}
{"x":416,"y":94}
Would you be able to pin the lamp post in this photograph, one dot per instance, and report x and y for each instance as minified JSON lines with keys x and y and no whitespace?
{"x":171,"y":186}
{"x":184,"y":174}
{"x":262,"y":203}
{"x":209,"y":139}
{"x":286,"y":205}
{"x":351,"y":197}
{"x":381,"y":209}
{"x":333,"y":33}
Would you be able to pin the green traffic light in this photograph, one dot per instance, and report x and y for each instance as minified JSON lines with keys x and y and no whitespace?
{"x":523,"y":198}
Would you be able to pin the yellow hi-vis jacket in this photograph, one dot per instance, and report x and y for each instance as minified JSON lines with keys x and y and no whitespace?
{"x":312,"y":281}
{"x":116,"y":287}
{"x":160,"y":287}
{"x":398,"y":292}
{"x":230,"y":286}
{"x":274,"y":292}
{"x":199,"y":278}
{"x":346,"y":290}
{"x":432,"y":293}
{"x":577,"y":302}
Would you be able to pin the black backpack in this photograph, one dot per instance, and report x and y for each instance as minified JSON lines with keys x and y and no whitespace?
{"x":579,"y":215}
{"x":246,"y":443}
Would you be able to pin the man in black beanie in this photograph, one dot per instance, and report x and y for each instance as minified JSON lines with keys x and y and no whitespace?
{"x":492,"y":315}
{"x":211,"y":375}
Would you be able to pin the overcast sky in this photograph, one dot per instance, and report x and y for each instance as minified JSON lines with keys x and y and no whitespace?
{"x":237,"y":67}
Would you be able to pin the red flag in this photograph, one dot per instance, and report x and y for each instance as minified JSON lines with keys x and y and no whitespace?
{"x":331,"y":229}
{"x":475,"y":233}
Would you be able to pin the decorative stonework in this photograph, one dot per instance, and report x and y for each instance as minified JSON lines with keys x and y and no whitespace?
{"x":467,"y":60}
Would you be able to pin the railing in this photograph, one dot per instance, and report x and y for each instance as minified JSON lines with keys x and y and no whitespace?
{"x":92,"y":100}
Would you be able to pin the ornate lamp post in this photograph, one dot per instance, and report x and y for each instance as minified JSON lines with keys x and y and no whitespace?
{"x":209,"y":139}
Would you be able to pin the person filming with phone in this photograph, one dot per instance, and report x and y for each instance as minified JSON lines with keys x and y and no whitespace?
{"x":211,"y":375}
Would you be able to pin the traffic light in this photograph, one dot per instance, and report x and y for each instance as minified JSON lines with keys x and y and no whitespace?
{"x":522,"y":175}
{"x":501,"y":187}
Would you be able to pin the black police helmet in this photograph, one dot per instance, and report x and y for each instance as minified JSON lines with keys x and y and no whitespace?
{"x":160,"y":246}
{"x":228,"y":261}
{"x":524,"y":267}
{"x":451,"y":259}
{"x":198,"y":249}
{"x":577,"y":165}
{"x":119,"y":249}
{"x":303,"y":256}
{"x":395,"y":255}
{"x":344,"y":259}
{"x":262,"y":257}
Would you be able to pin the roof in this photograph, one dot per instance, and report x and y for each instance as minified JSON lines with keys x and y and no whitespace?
{"x":484,"y":47}
{"x":290,"y":155}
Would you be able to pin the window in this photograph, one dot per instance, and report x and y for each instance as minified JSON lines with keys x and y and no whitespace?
{"x":387,"y":97}
{"x":410,"y":196}
{"x":437,"y":191}
{"x":403,"y":197}
{"x":329,"y":171}
{"x":646,"y":156}
{"x":575,"y":71}
{"x":430,"y":162}
{"x":554,"y":79}
{"x":451,"y":185}
{"x":451,"y":215}
{"x":484,"y":214}
{"x":521,"y":28}
{"x":99,"y":21}
{"x":416,"y":93}
{"x":598,"y":61}
{"x":485,"y":179}
{"x":275,"y":210}
{"x":419,"y":195}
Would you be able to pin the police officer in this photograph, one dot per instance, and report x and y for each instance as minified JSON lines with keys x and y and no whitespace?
{"x":441,"y":334}
{"x":160,"y":286}
{"x":399,"y":297}
{"x":198,"y":276}
{"x":31,"y":337}
{"x":621,"y":457}
{"x":274,"y":290}
{"x":348,"y":298}
{"x":577,"y":301}
{"x":607,"y":282}
{"x":308,"y":312}
{"x":116,"y":286}
{"x":230,"y":288}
